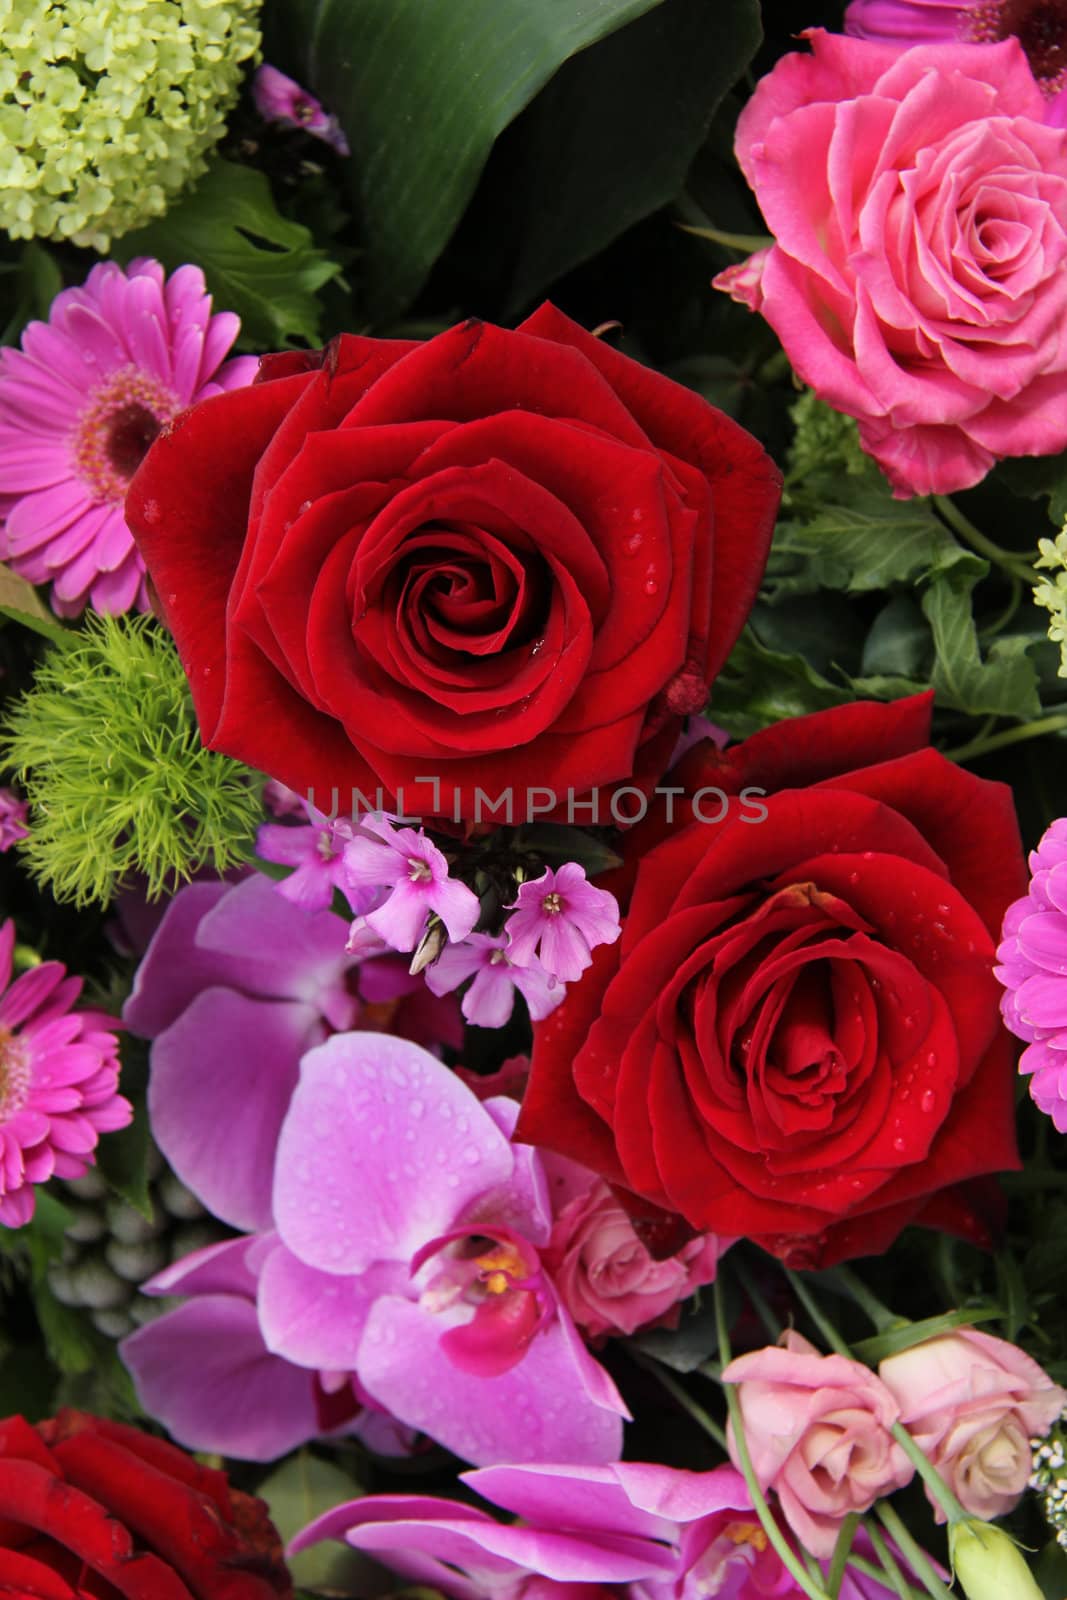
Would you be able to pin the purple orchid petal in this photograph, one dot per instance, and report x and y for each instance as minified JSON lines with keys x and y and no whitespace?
{"x":523,"y":1202}
{"x":226,"y":1268}
{"x":595,"y":1379}
{"x":679,"y":1496}
{"x":204,"y":1372}
{"x":221,"y":1080}
{"x":173,"y":970}
{"x":315,"y":1318}
{"x":588,"y":1499}
{"x":371,"y":1115}
{"x":430,"y":1537}
{"x":539,"y":1410}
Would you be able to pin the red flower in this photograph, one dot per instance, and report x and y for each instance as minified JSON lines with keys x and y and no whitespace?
{"x":89,"y":1507}
{"x":797,"y":1037}
{"x":502,"y":560}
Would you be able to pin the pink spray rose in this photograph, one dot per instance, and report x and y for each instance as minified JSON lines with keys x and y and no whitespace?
{"x":817,"y":1429}
{"x":605,"y":1275}
{"x":972,"y":1404}
{"x":918,"y":203}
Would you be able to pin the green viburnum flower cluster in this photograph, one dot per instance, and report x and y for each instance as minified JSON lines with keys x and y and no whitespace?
{"x":107,"y":107}
{"x":107,"y":749}
{"x":1052,"y":593}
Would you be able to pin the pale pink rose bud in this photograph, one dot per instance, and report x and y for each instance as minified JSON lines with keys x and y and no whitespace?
{"x":817,"y":1429}
{"x":605,"y":1275}
{"x":972,"y":1404}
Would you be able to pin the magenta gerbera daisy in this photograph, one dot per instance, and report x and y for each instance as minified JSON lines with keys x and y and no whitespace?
{"x":59,"y":1076}
{"x":80,"y":404}
{"x":1039,"y":25}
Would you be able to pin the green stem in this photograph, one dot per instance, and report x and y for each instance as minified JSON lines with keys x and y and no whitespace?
{"x":917,"y":1559}
{"x":877,"y":1310}
{"x":1008,"y":736}
{"x":1017,"y":566}
{"x":808,"y":1301}
{"x":1001,"y":622}
{"x":770,"y":1322}
{"x":763,"y":1511}
{"x":685,"y":1400}
{"x":840,"y":1556}
{"x":929,"y":1475}
{"x":890,"y":1568}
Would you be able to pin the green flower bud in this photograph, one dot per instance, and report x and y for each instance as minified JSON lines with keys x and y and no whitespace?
{"x":988,"y":1564}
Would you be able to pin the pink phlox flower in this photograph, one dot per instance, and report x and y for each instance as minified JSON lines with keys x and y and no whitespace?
{"x":281,"y":801}
{"x":382,"y":856}
{"x":410,"y":1232}
{"x":13,"y":814}
{"x":632,"y":1530}
{"x":316,"y":852}
{"x":281,"y":99}
{"x":490,"y":1000}
{"x":563,"y":914}
{"x":80,"y":404}
{"x":59,"y":1074}
{"x":1033,"y":969}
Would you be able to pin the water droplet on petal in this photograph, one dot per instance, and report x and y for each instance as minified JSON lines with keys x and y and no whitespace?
{"x":927,"y":1100}
{"x":899,"y":1144}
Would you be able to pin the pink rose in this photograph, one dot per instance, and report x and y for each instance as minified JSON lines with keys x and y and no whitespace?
{"x":972,"y":1404}
{"x":817,"y":1429}
{"x":605,"y":1275}
{"x":919,"y":207}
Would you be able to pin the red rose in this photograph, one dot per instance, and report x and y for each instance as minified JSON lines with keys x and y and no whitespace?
{"x":797,"y":1037}
{"x":89,"y":1507}
{"x":504,"y":560}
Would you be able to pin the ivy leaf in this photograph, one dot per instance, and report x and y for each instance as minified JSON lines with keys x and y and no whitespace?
{"x":122,"y":1157}
{"x":686,"y":1347}
{"x":256,"y":262}
{"x":1004,"y":684}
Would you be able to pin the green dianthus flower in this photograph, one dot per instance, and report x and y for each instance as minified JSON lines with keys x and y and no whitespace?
{"x":108,"y":107}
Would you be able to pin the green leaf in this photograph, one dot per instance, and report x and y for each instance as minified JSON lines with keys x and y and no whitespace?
{"x":586,"y":166}
{"x":899,"y":643}
{"x":759,"y":686}
{"x":866,"y":540}
{"x":297,"y":1492}
{"x":423,"y":89}
{"x":1005,"y":682}
{"x":891,"y":1343}
{"x":36,"y":282}
{"x":687,"y":1347}
{"x":20,"y":602}
{"x":256,"y":262}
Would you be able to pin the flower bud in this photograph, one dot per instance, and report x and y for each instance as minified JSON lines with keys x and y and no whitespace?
{"x":988,"y":1564}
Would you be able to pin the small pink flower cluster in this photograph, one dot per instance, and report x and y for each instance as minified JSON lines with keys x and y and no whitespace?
{"x":818,"y":1428}
{"x":396,"y":879}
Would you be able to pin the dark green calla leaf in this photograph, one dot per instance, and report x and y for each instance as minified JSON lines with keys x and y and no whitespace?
{"x":423,"y":89}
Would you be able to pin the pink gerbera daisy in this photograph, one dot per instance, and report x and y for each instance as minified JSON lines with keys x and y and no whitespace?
{"x":80,"y":404}
{"x":58,"y":1081}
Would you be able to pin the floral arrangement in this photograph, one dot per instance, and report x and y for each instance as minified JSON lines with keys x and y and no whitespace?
{"x":533,"y":684}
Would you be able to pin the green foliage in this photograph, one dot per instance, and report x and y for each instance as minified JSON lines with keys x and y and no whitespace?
{"x":1004,"y":683}
{"x":123,"y":1157}
{"x":424,"y":88}
{"x":107,"y":749}
{"x":256,"y":262}
{"x":298,"y":1491}
{"x":30,"y":285}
